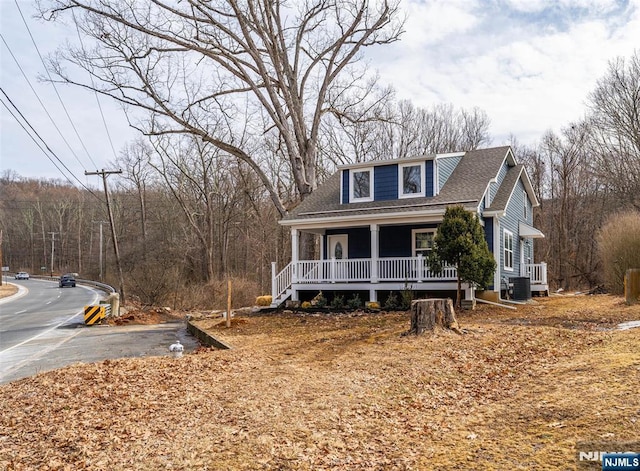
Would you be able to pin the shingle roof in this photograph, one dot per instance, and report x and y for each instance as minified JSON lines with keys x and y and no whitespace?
{"x":470,"y":178}
{"x":501,"y":199}
{"x":466,"y":185}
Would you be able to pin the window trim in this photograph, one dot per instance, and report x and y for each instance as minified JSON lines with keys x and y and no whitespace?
{"x":526,"y":206}
{"x":422,"y":192}
{"x":414,"y":232}
{"x":352,"y":175}
{"x":508,"y":253}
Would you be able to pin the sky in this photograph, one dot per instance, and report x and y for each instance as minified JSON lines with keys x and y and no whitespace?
{"x":529,"y":64}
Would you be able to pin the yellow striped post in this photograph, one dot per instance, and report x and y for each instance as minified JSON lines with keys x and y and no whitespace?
{"x":93,"y":314}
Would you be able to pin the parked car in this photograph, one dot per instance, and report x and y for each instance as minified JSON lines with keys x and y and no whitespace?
{"x":67,"y":280}
{"x":22,"y":275}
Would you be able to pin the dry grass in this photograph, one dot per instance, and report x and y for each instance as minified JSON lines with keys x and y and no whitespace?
{"x":619,"y":248}
{"x":345,"y":392}
{"x":7,"y":290}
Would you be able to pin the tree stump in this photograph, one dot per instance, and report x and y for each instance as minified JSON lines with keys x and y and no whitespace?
{"x":632,"y":286}
{"x":427,"y":314}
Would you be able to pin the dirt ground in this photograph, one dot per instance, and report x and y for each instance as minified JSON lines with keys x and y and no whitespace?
{"x":518,"y":390}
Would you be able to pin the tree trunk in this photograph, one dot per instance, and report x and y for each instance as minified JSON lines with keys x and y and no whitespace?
{"x":427,"y":314}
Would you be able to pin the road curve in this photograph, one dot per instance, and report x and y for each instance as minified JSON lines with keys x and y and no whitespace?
{"x":42,"y":328}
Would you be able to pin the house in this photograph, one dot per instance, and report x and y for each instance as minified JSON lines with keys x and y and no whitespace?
{"x":376,"y":222}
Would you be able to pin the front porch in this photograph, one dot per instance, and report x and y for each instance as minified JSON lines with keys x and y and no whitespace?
{"x":537,"y":273}
{"x":376,"y":275}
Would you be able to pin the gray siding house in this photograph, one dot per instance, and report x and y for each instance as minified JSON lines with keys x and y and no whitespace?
{"x":376,"y":222}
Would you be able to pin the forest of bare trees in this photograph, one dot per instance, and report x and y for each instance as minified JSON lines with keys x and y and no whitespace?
{"x":246,"y":109}
{"x":187,"y":215}
{"x":587,"y":173}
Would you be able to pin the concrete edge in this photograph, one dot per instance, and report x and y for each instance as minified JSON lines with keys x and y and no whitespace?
{"x":206,"y":338}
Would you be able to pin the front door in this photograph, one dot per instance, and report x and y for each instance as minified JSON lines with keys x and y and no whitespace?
{"x":338,"y":250}
{"x":338,"y":247}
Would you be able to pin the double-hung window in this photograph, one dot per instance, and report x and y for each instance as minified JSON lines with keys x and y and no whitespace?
{"x":411,"y":180}
{"x":423,"y":242}
{"x":362,"y":185}
{"x":508,"y":250}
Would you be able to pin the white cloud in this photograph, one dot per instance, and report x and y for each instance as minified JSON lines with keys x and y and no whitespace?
{"x":424,"y":26}
{"x":531,"y":71}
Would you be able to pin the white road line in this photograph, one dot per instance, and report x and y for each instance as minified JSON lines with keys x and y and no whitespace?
{"x":38,"y":354}
{"x":49,"y":330}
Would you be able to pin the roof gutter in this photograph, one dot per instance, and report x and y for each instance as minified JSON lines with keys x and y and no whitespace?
{"x":369,"y":216}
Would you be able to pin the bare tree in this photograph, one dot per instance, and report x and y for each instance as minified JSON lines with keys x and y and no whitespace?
{"x":615,"y":122}
{"x":401,"y":129}
{"x":197,"y":175}
{"x":441,"y":129}
{"x":134,"y":160}
{"x":216,"y":69}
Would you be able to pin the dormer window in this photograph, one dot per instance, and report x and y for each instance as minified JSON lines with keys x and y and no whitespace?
{"x":411,"y":180}
{"x":362,"y":185}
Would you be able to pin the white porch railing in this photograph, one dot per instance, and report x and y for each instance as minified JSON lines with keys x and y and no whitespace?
{"x":411,"y":269}
{"x":358,"y":270}
{"x":280,"y":282}
{"x":392,"y":269}
{"x":332,"y":271}
{"x":536,"y":272}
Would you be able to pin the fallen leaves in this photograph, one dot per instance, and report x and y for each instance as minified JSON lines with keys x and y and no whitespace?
{"x":340,"y":392}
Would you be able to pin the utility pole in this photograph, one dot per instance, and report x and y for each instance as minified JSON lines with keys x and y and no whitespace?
{"x":53,"y":248}
{"x":101,"y":223}
{"x":104,"y":174}
{"x":1,"y":274}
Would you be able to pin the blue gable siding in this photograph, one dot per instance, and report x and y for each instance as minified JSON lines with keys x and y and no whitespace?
{"x":385,"y":185}
{"x":514,"y":214}
{"x":345,"y":186}
{"x":385,"y":182}
{"x":446,"y":167}
{"x":429,"y":178}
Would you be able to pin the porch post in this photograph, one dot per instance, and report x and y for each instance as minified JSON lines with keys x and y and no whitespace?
{"x":273,"y":281}
{"x":374,"y":255}
{"x":295,"y":240}
{"x":333,"y":270}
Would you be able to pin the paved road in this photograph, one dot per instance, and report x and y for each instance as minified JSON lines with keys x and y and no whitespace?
{"x":42,"y":328}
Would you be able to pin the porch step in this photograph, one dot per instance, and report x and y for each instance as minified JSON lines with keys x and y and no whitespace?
{"x":280,"y":299}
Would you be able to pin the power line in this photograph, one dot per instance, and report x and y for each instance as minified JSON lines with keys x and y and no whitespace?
{"x":42,"y":140}
{"x":54,"y":86}
{"x":32,"y":138}
{"x":41,"y":103}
